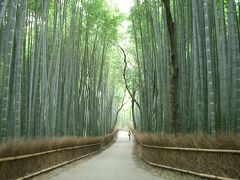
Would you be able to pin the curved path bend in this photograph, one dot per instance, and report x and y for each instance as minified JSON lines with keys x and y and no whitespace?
{"x":115,"y":163}
{"x":118,"y":162}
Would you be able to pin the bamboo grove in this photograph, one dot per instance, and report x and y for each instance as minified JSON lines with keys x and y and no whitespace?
{"x":187,"y":70}
{"x":55,"y":68}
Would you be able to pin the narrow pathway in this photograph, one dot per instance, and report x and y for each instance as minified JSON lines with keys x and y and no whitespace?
{"x":115,"y":163}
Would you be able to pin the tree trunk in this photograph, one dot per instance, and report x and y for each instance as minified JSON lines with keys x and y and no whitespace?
{"x":174,"y":74}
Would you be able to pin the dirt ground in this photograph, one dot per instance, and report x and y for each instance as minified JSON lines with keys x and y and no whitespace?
{"x":117,"y":162}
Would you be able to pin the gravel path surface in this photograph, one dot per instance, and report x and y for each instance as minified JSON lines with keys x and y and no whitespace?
{"x":117,"y":162}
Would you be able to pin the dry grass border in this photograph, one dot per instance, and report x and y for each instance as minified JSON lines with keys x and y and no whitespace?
{"x":201,"y":141}
{"x":17,"y":147}
{"x":38,"y":159}
{"x":217,"y":163}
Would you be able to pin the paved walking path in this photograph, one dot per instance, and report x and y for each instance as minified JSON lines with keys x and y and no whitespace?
{"x":115,"y":163}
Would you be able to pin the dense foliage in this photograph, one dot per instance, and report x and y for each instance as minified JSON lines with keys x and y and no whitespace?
{"x":60,"y":72}
{"x":55,"y":68}
{"x":187,"y":56}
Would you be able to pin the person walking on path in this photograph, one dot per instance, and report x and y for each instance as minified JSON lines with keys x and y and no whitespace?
{"x":129,"y":134}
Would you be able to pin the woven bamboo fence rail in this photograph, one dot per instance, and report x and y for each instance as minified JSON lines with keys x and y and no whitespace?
{"x":205,"y":163}
{"x":30,"y":165}
{"x":193,"y":149}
